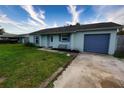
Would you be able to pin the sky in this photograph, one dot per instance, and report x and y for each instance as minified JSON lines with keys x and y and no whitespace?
{"x":22,"y":19}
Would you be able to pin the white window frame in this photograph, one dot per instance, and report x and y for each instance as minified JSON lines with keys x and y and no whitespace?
{"x":65,"y":36}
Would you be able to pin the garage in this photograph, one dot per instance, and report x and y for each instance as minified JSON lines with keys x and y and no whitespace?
{"x":97,"y":43}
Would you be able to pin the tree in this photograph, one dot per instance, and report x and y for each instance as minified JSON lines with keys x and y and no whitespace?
{"x":1,"y":31}
{"x":78,"y":24}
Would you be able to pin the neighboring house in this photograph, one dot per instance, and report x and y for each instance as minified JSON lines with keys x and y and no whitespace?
{"x":7,"y":37}
{"x":98,"y":38}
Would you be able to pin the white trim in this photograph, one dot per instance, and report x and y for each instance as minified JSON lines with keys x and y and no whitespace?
{"x":97,"y":29}
{"x":67,"y":36}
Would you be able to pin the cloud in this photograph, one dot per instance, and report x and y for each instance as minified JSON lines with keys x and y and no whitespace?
{"x":15,"y":27}
{"x":107,"y":14}
{"x":6,"y":20}
{"x":41,"y":14}
{"x":33,"y":23}
{"x":55,"y":24}
{"x":38,"y":17}
{"x":72,"y":9}
{"x":116,"y":16}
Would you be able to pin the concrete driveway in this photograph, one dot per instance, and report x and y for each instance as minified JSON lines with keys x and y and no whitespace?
{"x":92,"y":70}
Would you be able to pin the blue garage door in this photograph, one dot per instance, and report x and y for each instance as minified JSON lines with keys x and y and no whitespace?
{"x":98,"y":43}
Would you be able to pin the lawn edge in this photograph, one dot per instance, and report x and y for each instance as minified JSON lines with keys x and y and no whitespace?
{"x":57,"y":73}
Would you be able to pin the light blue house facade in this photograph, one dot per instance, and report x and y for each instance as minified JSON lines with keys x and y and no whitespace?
{"x":98,"y":38}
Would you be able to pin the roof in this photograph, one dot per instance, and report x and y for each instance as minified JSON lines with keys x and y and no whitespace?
{"x":23,"y":35}
{"x":74,"y":28}
{"x":7,"y":35}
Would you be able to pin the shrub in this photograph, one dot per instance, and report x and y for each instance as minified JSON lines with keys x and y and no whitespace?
{"x":119,"y":54}
{"x":67,"y":50}
{"x":30,"y":44}
{"x":121,"y":33}
{"x":8,"y":41}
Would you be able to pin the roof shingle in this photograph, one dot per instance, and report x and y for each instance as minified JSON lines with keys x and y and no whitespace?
{"x":73,"y":28}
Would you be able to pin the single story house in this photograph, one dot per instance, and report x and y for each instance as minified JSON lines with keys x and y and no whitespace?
{"x":97,"y":37}
{"x":7,"y":37}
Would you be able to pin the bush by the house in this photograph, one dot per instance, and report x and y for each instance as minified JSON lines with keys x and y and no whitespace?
{"x":8,"y":41}
{"x":119,"y":54}
{"x":30,"y":44}
{"x":67,"y":50}
{"x":121,"y":33}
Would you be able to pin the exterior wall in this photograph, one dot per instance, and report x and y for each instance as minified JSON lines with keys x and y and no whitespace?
{"x":76,"y":40}
{"x":72,"y":42}
{"x":79,"y":40}
{"x":44,"y":41}
{"x":40,"y":44}
{"x":113,"y":43}
{"x":56,"y":42}
{"x":23,"y":41}
{"x":31,"y":39}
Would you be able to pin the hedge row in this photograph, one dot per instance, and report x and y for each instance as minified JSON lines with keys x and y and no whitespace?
{"x":8,"y":41}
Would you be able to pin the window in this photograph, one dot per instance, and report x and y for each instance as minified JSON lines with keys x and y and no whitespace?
{"x":65,"y":37}
{"x":51,"y":38}
{"x":36,"y":39}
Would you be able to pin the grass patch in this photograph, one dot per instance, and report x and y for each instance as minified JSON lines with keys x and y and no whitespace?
{"x":119,"y":54}
{"x":26,"y":66}
{"x":50,"y":85}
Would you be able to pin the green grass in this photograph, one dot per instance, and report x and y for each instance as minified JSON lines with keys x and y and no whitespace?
{"x":119,"y":54}
{"x":26,"y":66}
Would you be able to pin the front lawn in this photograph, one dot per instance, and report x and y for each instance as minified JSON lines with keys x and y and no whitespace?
{"x":22,"y":66}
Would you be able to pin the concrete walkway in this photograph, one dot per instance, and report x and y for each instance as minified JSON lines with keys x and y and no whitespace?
{"x":50,"y":50}
{"x":91,"y":70}
{"x":123,"y":60}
